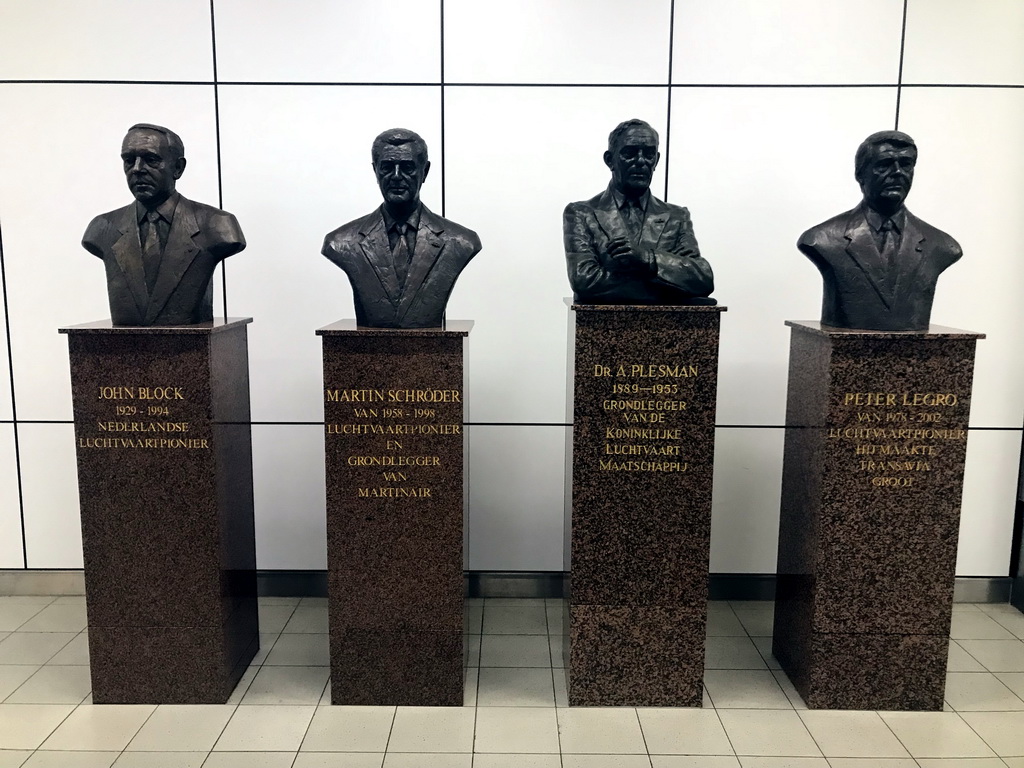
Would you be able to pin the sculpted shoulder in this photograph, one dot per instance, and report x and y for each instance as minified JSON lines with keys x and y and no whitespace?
{"x":219,"y":228}
{"x":828,"y":233}
{"x":466,"y":238}
{"x":103,"y":230}
{"x":937,"y":239}
{"x":338,"y":241}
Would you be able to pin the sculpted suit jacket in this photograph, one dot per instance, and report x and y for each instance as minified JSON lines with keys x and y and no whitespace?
{"x":361,"y":248}
{"x":200,"y":237}
{"x":861,"y":290}
{"x":680,"y":273}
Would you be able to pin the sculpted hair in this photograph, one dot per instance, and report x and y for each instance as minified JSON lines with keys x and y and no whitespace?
{"x":396,"y":137}
{"x":174,"y":142}
{"x":621,"y":128}
{"x":866,"y":150}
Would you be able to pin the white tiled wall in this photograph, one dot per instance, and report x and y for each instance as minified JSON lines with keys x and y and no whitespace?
{"x":768,"y":104}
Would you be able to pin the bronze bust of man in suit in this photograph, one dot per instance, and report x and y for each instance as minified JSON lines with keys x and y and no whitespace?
{"x":879,"y":262}
{"x":625,"y":246}
{"x":160,"y":252}
{"x":402,"y":259}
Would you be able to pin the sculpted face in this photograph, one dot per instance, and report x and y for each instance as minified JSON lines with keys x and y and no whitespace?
{"x":400,"y":174}
{"x":149,"y":166}
{"x":633,"y":160}
{"x":886,"y":179}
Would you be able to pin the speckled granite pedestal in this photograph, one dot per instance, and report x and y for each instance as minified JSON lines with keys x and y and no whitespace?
{"x":393,"y":413}
{"x":643,"y":386}
{"x":165,"y":487}
{"x":876,"y":435}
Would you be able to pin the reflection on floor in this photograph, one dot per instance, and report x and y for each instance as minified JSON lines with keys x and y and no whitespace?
{"x":514,"y":714}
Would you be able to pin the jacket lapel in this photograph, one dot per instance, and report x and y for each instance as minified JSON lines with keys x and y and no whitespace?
{"x":428,"y":247}
{"x":377,"y":251}
{"x":654,"y":224}
{"x":910,"y":255}
{"x":128,"y":254}
{"x":179,"y":254}
{"x":608,"y":217}
{"x":862,"y":250}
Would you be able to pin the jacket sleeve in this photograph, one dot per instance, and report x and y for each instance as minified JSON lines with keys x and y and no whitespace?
{"x":589,"y":277}
{"x":94,"y":236}
{"x":225,"y":235}
{"x":679,"y":265}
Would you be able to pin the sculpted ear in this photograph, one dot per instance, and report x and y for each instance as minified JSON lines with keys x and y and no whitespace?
{"x":179,"y":167}
{"x":426,"y":170}
{"x":608,"y":158}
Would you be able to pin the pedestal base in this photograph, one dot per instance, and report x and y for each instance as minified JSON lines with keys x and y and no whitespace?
{"x":876,"y":437}
{"x":644,"y":389}
{"x":165,"y":486}
{"x":393,"y":408}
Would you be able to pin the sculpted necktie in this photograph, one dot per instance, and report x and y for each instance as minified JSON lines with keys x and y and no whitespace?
{"x":151,"y":250}
{"x":634,"y":220}
{"x":400,"y":256}
{"x":890,"y":243}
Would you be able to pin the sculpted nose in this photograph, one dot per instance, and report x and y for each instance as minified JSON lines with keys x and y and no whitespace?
{"x":137,"y":165}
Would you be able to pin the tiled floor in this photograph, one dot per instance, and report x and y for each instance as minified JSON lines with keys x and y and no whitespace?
{"x":515,"y":714}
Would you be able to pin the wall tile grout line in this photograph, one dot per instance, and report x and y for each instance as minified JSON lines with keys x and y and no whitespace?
{"x":444,"y":176}
{"x":14,"y":406}
{"x":899,"y":75}
{"x":216,"y":128}
{"x":668,"y":106}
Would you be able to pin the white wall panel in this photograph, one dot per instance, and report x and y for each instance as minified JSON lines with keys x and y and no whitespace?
{"x":747,"y":495}
{"x":968,"y":182}
{"x":105,"y":40}
{"x":950,"y":41}
{"x":296,"y":164}
{"x":10,"y":512}
{"x":289,"y":490}
{"x":303,"y":41}
{"x":509,"y":177}
{"x":62,"y":166}
{"x":570,"y":41}
{"x":787,"y":41}
{"x":5,"y":367}
{"x":986,"y":517}
{"x":49,"y":476}
{"x":516,"y":498}
{"x":757,"y":167}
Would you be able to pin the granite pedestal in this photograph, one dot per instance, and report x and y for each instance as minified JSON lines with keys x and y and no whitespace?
{"x":644,"y":383}
{"x":165,"y":487}
{"x":876,"y":436}
{"x":393,"y":413}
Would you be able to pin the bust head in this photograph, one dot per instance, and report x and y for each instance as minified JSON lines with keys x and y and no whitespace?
{"x":154,"y":159}
{"x":632,"y":156}
{"x":884,"y":168}
{"x":401,"y":166}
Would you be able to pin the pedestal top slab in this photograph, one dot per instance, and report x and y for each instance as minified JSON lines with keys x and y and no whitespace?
{"x":106,"y":326}
{"x":644,"y":307}
{"x":348,"y":327}
{"x":934,"y":331}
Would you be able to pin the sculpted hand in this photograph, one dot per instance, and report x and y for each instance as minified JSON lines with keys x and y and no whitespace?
{"x":626,"y":257}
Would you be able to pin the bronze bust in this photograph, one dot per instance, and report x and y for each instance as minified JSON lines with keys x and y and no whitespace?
{"x":160,"y":251}
{"x":879,"y":262}
{"x":625,"y":246}
{"x":402,"y":259}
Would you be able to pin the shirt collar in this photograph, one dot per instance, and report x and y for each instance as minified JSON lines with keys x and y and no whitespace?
{"x":165,"y":209}
{"x":876,"y":220}
{"x":621,"y":201}
{"x":390,"y":221}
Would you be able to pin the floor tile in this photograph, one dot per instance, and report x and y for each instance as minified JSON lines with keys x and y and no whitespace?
{"x":556,"y":644}
{"x":69,"y":600}
{"x":515,"y":620}
{"x":1009,"y":618}
{"x":14,"y":615}
{"x":607,"y":731}
{"x":471,"y":651}
{"x":53,"y":685}
{"x":516,"y":730}
{"x":243,"y":685}
{"x":764,"y":647}
{"x":873,"y":762}
{"x":265,"y":729}
{"x":160,"y":760}
{"x":978,"y":626}
{"x":308,"y":619}
{"x":555,"y":610}
{"x":689,"y":761}
{"x":1012,"y":680}
{"x":606,"y":761}
{"x":71,"y":760}
{"x":732,"y":653}
{"x":33,"y":647}
{"x":744,"y":689}
{"x":469,"y":693}
{"x":75,"y":653}
{"x":57,"y":617}
{"x":319,"y":602}
{"x":339,"y":760}
{"x":561,"y":688}
{"x":1002,"y":731}
{"x":515,"y":602}
{"x":106,"y":727}
{"x":511,"y":687}
{"x":757,"y":617}
{"x":349,"y":729}
{"x":852,"y":734}
{"x":267,"y":642}
{"x":783,"y":762}
{"x":994,"y":655}
{"x":287,"y":685}
{"x":980,"y":692}
{"x":768,"y":733}
{"x":473,"y":619}
{"x":250,"y":760}
{"x":959,"y":660}
{"x":722,"y":624}
{"x":292,"y":601}
{"x":789,"y":689}
{"x":980,"y":762}
{"x":432,"y":729}
{"x":10,"y":758}
{"x":935,"y":734}
{"x":13,"y":675}
{"x":273,"y":618}
{"x":513,"y":650}
{"x":516,"y":761}
{"x":300,"y":651}
{"x":1014,"y":762}
{"x":683,"y":732}
{"x":400,"y":760}
{"x":182,"y":728}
